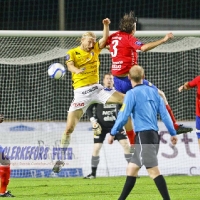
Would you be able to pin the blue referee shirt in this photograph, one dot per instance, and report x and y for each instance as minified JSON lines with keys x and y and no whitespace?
{"x":144,"y":103}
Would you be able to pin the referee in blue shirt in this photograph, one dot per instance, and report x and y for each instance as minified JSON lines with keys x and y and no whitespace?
{"x":144,"y":103}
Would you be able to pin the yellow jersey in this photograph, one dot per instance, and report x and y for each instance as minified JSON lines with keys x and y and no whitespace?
{"x":89,"y":61}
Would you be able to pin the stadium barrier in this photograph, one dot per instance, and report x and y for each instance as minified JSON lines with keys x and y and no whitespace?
{"x":33,"y":148}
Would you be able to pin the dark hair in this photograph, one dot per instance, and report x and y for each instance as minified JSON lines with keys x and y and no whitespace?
{"x":127,"y":22}
{"x":108,"y":73}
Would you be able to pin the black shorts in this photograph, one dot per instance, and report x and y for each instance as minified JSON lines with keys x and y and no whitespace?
{"x":146,"y":149}
{"x":100,"y":138}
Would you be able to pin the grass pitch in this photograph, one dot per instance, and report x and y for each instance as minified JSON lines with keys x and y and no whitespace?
{"x":180,"y":188}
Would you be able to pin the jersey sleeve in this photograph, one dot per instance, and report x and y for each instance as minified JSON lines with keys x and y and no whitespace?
{"x":124,"y":113}
{"x":97,"y":50}
{"x":135,"y":43}
{"x":69,"y":56}
{"x":166,"y":118}
{"x":194,"y":82}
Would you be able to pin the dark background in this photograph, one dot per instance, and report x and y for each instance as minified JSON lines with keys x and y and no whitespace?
{"x":87,"y":14}
{"x":27,"y":93}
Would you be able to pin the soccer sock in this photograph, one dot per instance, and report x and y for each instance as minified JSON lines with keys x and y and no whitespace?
{"x":94,"y":162}
{"x":162,"y":187}
{"x":5,"y":177}
{"x":172,"y":116}
{"x":128,"y":186}
{"x":131,"y":136}
{"x":128,"y":157}
{"x":64,"y":143}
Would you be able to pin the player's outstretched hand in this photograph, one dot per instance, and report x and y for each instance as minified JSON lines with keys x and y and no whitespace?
{"x":168,"y":36}
{"x":181,"y":88}
{"x":110,"y":139}
{"x":106,"y":21}
{"x":174,"y":140}
{"x":1,"y":118}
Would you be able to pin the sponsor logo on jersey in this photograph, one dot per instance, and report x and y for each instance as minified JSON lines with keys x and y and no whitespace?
{"x":109,"y":118}
{"x":138,"y":43}
{"x":90,"y":90}
{"x":109,"y":106}
{"x":77,"y":104}
{"x":67,"y":57}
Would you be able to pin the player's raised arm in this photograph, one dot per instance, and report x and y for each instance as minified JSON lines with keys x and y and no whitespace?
{"x":152,"y":45}
{"x":102,"y":41}
{"x":185,"y":86}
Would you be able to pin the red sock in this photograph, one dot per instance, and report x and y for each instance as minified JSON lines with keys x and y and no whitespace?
{"x":172,"y":116}
{"x":131,"y":136}
{"x":4,"y":177}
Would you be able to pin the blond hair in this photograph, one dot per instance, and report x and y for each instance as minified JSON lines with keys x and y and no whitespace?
{"x":89,"y":34}
{"x":136,"y":73}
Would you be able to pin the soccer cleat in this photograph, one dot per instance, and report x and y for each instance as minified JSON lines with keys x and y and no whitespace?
{"x":58,"y":166}
{"x":183,"y":129}
{"x":90,"y":176}
{"x":7,"y":194}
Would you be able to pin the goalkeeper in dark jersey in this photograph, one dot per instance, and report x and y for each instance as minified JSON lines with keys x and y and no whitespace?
{"x":103,"y":118}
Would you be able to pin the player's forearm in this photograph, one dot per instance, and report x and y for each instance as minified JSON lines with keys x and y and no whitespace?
{"x":72,"y":68}
{"x":186,"y":86}
{"x":152,"y":45}
{"x":102,"y":41}
{"x":121,"y":120}
{"x":169,"y":124}
{"x":166,"y":118}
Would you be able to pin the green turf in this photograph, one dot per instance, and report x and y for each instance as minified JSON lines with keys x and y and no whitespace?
{"x":180,"y":188}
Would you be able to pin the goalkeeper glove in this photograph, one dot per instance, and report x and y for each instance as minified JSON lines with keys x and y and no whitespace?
{"x":96,"y":127}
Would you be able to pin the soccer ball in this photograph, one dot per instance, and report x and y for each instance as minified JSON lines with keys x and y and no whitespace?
{"x":56,"y":70}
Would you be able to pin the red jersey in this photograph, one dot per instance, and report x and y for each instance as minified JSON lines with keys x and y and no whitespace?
{"x":123,"y":50}
{"x":196,"y":83}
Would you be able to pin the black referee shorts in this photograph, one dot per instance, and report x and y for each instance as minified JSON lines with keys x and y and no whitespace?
{"x":100,"y":138}
{"x":146,"y":149}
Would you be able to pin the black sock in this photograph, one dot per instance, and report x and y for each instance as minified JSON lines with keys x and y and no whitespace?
{"x":94,"y":162}
{"x":128,"y":186}
{"x":128,"y":157}
{"x":162,"y":187}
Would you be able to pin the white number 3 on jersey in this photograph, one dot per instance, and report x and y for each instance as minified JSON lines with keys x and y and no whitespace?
{"x":115,"y":43}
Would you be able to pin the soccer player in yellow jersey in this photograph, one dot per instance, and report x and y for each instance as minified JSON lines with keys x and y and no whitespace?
{"x":83,"y":63}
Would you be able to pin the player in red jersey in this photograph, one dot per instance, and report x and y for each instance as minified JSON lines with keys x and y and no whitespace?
{"x":123,"y":46}
{"x":4,"y":171}
{"x":187,"y":86}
